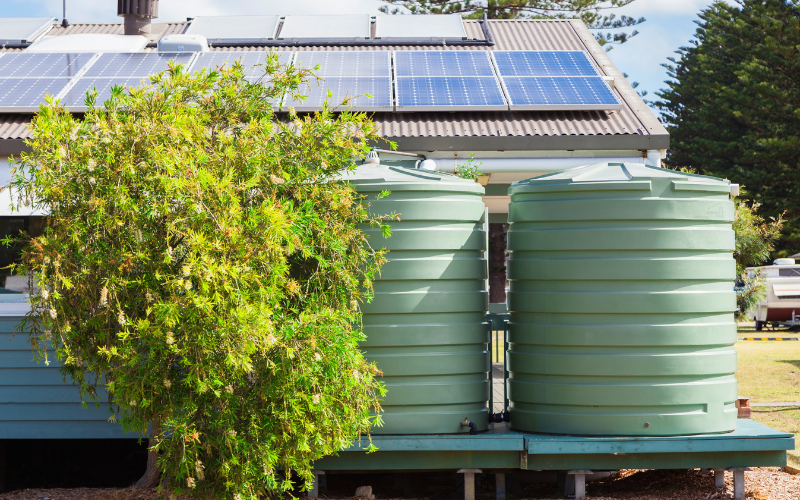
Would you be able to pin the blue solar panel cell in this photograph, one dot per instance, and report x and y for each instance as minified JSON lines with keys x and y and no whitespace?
{"x":135,"y":64}
{"x":544,"y":63}
{"x":42,"y":64}
{"x":449,"y":92}
{"x":361,"y":64}
{"x":443,"y":63}
{"x":252,"y":61}
{"x":28,"y":93}
{"x":379,"y":87}
{"x":75,"y":97}
{"x":542,"y":93}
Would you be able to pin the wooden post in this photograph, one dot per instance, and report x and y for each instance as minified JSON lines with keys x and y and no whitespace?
{"x":469,"y":482}
{"x":500,"y":485}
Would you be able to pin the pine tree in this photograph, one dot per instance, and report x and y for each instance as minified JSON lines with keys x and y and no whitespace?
{"x":732,"y":104}
{"x":588,"y":11}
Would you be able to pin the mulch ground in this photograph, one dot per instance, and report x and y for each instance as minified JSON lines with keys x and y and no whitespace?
{"x":766,"y":483}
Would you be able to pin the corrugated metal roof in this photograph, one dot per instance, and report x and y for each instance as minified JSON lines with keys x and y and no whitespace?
{"x":113,"y":28}
{"x":633,"y":127}
{"x":14,"y":126}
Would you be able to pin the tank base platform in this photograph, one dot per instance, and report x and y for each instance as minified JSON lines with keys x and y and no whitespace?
{"x":750,"y":445}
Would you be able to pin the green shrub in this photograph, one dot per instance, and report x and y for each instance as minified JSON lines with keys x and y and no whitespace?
{"x":202,"y":266}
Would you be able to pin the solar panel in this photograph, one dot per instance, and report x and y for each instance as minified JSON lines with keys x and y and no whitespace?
{"x":446,"y":80}
{"x":135,"y":64}
{"x":75,"y":97}
{"x":41,"y":64}
{"x":252,"y":61}
{"x":379,"y":87}
{"x":234,"y":28}
{"x":324,"y":27}
{"x":421,"y":93}
{"x":23,"y":29}
{"x":348,"y":74}
{"x":420,"y":26}
{"x":26,"y":94}
{"x":569,"y":93}
{"x":443,"y":63}
{"x":544,"y":63}
{"x":377,"y":63}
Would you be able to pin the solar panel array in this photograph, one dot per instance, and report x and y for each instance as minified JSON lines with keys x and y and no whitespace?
{"x":425,"y":80}
{"x":552,"y":80}
{"x":362,"y":79}
{"x":446,"y":80}
{"x":253,"y":62}
{"x":25,"y":79}
{"x":108,"y":70}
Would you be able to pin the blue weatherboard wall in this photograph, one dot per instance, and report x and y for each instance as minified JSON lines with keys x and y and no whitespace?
{"x":36,"y":403}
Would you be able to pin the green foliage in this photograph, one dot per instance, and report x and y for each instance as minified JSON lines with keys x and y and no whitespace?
{"x":469,"y":169}
{"x":588,"y":11}
{"x":201,"y":265}
{"x":732,"y":104}
{"x":755,"y":241}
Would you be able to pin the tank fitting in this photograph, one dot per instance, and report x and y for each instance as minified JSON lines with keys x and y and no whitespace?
{"x":496,"y":418}
{"x":473,"y":429}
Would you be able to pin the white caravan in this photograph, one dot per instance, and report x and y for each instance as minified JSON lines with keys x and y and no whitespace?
{"x":782,"y":303}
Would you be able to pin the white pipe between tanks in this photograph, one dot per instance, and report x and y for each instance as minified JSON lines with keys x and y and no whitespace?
{"x":496,"y":165}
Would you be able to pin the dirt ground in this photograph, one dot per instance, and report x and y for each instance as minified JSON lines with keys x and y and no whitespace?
{"x":768,"y":483}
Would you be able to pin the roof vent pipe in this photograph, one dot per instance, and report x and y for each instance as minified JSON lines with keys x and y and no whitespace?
{"x":64,"y":22}
{"x":137,"y":15}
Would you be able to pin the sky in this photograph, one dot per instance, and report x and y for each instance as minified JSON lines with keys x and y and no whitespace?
{"x":670,"y":23}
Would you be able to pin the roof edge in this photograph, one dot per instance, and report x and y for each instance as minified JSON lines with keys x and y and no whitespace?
{"x":642,"y":112}
{"x":533,"y":143}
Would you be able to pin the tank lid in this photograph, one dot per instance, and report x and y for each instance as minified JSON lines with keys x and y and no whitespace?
{"x":616,"y":173}
{"x":399,"y":178}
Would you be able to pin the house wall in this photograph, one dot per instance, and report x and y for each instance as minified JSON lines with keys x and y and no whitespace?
{"x":35,"y":401}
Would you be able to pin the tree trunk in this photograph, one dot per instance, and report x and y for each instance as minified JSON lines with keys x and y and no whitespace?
{"x":151,"y":474}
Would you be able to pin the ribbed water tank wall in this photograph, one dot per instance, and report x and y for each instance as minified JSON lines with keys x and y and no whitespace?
{"x":426,"y":326}
{"x":622,"y":303}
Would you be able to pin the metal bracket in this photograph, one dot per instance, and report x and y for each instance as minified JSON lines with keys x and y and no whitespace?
{"x":523,"y":459}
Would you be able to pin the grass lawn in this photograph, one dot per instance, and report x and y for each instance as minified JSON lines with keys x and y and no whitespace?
{"x":783,"y":419}
{"x":769,"y":371}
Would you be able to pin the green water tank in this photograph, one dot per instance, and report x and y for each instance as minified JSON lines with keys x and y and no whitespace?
{"x":622,"y":302}
{"x":426,"y":327}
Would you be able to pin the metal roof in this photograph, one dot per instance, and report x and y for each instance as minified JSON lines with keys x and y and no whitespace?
{"x":633,"y":127}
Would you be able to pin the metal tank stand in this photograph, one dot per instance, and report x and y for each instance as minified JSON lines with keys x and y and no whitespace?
{"x":469,"y":482}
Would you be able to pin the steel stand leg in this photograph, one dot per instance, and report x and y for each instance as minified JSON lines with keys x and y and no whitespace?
{"x":469,"y":482}
{"x":314,"y":491}
{"x":719,"y":478}
{"x":500,"y":485}
{"x":576,"y":481}
{"x":738,"y":483}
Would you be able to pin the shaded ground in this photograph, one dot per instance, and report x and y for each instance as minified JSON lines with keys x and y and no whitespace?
{"x":769,"y":483}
